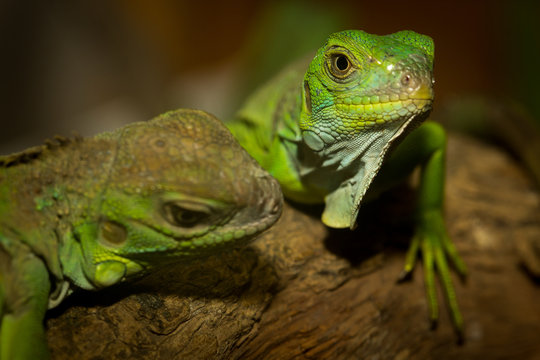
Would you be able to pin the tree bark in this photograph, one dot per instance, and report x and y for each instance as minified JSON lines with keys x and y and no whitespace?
{"x":303,"y":291}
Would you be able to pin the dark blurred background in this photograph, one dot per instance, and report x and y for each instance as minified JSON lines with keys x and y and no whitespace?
{"x":90,"y":66}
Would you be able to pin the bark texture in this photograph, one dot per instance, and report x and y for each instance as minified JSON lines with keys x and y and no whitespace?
{"x":302,"y":291}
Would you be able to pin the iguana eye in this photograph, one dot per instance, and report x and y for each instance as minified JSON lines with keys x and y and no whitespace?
{"x":341,"y":65}
{"x":179,"y":215}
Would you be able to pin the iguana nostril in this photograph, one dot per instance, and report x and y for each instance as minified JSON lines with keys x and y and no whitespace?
{"x":409,"y":81}
{"x":269,"y":200}
{"x":274,"y":206}
{"x":405,"y":80}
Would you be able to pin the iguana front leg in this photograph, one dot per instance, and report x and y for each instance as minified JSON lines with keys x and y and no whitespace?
{"x":24,"y":291}
{"x":427,"y":146}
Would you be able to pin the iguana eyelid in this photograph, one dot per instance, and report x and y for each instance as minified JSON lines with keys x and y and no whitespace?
{"x":193,"y":203}
{"x":191,"y":206}
{"x":186,"y":214}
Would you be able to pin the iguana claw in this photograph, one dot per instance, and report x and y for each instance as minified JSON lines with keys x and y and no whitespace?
{"x":432,"y":240}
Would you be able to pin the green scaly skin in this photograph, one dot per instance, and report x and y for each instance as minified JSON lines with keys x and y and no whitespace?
{"x":90,"y":213}
{"x":325,"y":133}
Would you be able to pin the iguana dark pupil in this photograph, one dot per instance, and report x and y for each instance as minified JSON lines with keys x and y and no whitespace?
{"x":184,"y":217}
{"x":342,"y":63}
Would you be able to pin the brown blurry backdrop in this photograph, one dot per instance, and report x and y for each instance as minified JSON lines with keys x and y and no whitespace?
{"x":89,"y":66}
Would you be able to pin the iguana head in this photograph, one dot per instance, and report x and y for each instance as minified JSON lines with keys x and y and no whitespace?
{"x":180,"y":187}
{"x":360,"y":93}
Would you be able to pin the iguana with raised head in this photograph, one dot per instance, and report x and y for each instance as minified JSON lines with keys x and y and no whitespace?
{"x":350,"y":121}
{"x":90,"y":213}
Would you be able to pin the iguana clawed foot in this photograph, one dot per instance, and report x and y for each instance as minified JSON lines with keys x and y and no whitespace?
{"x":432,"y":240}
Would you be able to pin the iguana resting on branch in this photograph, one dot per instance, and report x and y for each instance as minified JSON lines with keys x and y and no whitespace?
{"x":90,"y":213}
{"x":326,"y":131}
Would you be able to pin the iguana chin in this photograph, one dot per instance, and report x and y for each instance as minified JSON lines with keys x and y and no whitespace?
{"x":90,"y":213}
{"x":350,"y":121}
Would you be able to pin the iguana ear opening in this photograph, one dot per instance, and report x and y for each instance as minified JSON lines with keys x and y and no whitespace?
{"x":307,"y":97}
{"x":112,"y":233}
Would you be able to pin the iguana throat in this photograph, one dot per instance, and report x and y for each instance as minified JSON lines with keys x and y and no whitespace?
{"x":354,"y":164}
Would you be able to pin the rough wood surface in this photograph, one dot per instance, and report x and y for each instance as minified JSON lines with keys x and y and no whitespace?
{"x":304,"y":292}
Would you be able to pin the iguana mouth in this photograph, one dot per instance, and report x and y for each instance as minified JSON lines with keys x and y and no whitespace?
{"x":362,"y":112}
{"x":374,"y":114}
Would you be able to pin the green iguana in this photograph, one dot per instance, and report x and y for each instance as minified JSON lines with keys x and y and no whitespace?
{"x":325,"y":129}
{"x":90,"y":213}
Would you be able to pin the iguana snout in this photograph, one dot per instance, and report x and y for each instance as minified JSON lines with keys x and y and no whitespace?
{"x":263,"y":203}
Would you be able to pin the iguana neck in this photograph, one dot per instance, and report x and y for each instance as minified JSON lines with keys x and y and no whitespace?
{"x":42,"y":197}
